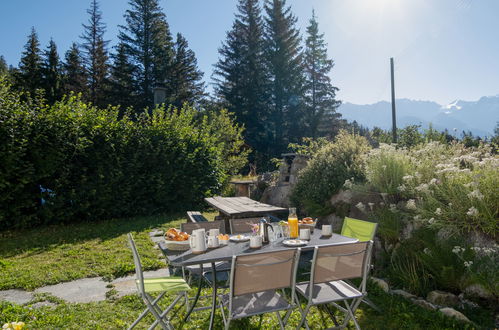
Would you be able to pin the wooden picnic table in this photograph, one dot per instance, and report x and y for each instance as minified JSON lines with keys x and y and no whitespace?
{"x":242,"y":207}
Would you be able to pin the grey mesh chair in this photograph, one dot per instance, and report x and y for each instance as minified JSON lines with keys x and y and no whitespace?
{"x":331,"y":266}
{"x":241,"y":226}
{"x":198,"y":270}
{"x":253,"y":285}
{"x":163,"y":285}
{"x":188,"y":227}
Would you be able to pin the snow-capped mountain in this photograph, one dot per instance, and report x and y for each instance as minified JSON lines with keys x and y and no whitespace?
{"x":479,"y":117}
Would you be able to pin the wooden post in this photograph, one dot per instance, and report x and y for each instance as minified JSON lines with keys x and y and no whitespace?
{"x":394,"y":119}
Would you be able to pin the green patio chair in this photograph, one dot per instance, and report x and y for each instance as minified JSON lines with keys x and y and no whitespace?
{"x":161,"y":285}
{"x":362,"y":230}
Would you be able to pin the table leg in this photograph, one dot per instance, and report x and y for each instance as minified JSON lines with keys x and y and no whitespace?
{"x":198,"y":293}
{"x":214,"y":295}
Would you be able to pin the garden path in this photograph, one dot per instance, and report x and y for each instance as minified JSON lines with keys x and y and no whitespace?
{"x":85,"y":290}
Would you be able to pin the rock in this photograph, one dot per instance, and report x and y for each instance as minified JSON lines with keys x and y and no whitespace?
{"x":157,"y":239}
{"x":277,"y":195}
{"x":16,"y":296}
{"x":403,"y":293}
{"x":451,"y":312}
{"x":80,"y":291}
{"x":381,"y":283}
{"x":423,"y":303}
{"x":43,"y":304}
{"x":331,"y":219}
{"x":477,"y":291}
{"x":442,"y":298}
{"x":156,"y":232}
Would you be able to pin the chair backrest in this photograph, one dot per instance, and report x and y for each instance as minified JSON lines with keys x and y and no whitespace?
{"x":341,"y":262}
{"x":138,"y":266}
{"x":195,"y":216}
{"x":362,"y":230}
{"x":241,"y":226}
{"x":188,"y":227}
{"x":264,"y":271}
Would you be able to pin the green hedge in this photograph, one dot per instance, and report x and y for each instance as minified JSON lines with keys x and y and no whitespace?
{"x":72,"y":161}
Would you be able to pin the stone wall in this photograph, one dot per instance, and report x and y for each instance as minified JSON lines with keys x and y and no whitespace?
{"x":278,"y":193}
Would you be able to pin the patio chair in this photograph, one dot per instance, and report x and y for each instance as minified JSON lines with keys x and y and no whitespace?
{"x":188,"y":227}
{"x":241,"y":226}
{"x":161,"y":285}
{"x":198,"y":270}
{"x":362,"y":230}
{"x":254,"y":285}
{"x":331,"y":266}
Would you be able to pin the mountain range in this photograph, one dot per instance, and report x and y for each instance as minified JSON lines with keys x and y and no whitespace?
{"x":480,"y":117}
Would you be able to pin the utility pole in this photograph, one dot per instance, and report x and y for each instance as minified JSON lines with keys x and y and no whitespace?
{"x":394,"y":119}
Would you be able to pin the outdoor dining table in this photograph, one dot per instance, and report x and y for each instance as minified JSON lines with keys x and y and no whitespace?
{"x":225,"y":253}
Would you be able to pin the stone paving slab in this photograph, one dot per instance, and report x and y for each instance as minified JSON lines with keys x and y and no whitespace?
{"x":126,"y":285}
{"x":80,"y":291}
{"x":16,"y":296}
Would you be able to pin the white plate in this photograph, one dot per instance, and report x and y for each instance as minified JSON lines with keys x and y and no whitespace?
{"x":294,"y":242}
{"x":239,"y":238}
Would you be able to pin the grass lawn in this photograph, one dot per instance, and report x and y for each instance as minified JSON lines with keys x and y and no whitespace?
{"x":49,"y":255}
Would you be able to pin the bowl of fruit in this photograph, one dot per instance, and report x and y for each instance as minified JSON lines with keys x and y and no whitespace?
{"x":177,"y":240}
{"x":307,"y":223}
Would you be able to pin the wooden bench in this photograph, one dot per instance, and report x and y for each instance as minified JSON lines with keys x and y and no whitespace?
{"x":195,"y":216}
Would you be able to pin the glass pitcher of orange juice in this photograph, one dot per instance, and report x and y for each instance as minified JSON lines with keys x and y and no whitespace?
{"x":293,"y":223}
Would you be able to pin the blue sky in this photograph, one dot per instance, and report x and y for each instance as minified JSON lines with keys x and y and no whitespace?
{"x":443,"y":50}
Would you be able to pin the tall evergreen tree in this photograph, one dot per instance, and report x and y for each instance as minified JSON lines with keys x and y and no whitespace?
{"x":148,"y":43}
{"x":319,"y":92}
{"x":95,"y":55}
{"x":186,"y":81}
{"x":74,"y":74}
{"x":4,"y":69}
{"x":284,"y":56}
{"x":241,"y":74}
{"x":121,"y":81}
{"x":51,"y":73}
{"x":29,"y":75}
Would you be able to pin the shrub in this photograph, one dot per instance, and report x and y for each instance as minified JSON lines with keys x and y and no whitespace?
{"x":385,"y":168}
{"x":73,"y":162}
{"x":327,"y":171}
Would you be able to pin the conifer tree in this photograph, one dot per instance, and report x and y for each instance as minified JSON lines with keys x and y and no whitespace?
{"x":74,"y":74}
{"x":148,"y":43}
{"x":241,"y":74}
{"x":95,"y":55}
{"x":186,"y":81}
{"x":51,"y":73}
{"x":320,"y":94}
{"x":4,"y":70}
{"x":285,"y":62}
{"x":29,"y":74}
{"x":121,"y":81}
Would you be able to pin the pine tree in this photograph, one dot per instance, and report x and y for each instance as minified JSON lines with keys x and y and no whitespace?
{"x":320,"y":93}
{"x":241,"y":74}
{"x":148,"y":43}
{"x":74,"y":74}
{"x":121,"y":81}
{"x":284,"y":56}
{"x":4,"y":69}
{"x":95,"y":55}
{"x":29,"y":75}
{"x":51,"y":74}
{"x":186,"y":82}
